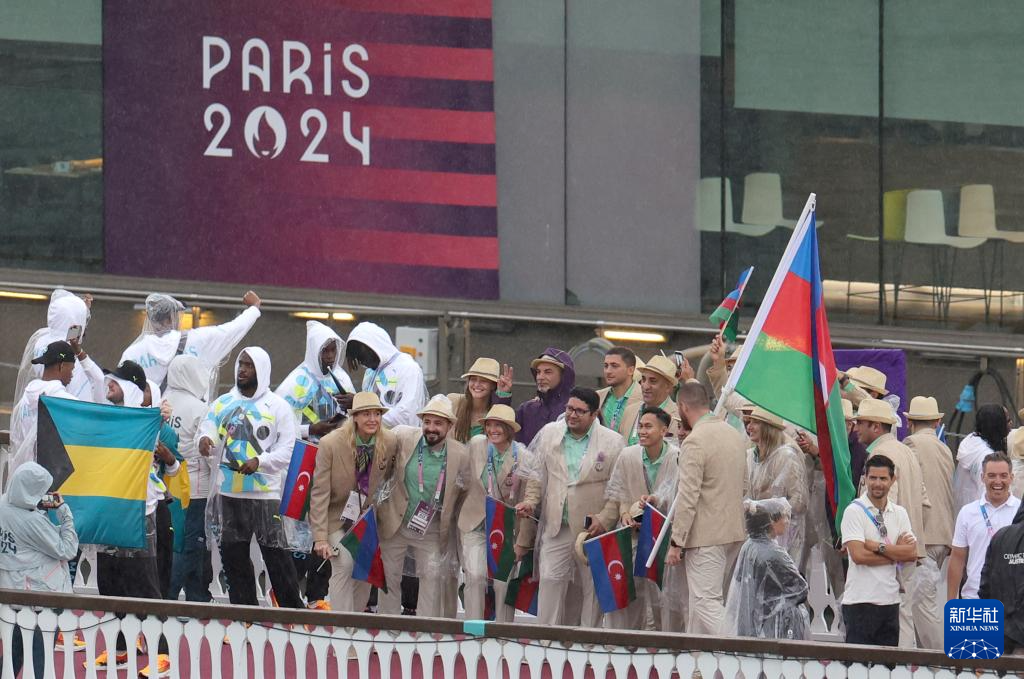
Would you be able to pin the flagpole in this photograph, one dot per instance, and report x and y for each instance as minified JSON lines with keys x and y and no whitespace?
{"x":780,"y":273}
{"x":662,"y":532}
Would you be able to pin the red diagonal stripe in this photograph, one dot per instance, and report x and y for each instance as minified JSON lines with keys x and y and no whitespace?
{"x":471,"y":9}
{"x":394,"y":122}
{"x":421,"y":61}
{"x":790,"y":318}
{"x":415,"y":249}
{"x":403,"y":186}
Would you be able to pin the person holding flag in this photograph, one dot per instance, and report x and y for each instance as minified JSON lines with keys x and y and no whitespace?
{"x":313,"y":389}
{"x":645,"y":478}
{"x":251,"y":432}
{"x":352,"y":465}
{"x":487,"y":520}
{"x":428,"y":484}
{"x":572,"y":460}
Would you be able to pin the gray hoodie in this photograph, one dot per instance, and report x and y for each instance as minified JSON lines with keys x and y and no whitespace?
{"x":33,"y":552}
{"x":188,"y":380}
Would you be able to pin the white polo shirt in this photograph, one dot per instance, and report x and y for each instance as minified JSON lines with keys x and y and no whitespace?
{"x":971,"y":531}
{"x":873,"y":584}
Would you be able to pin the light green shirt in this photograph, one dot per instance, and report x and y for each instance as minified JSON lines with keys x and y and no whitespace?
{"x":433,"y":463}
{"x":651,"y":468}
{"x":872,"y":445}
{"x":613,"y":405}
{"x":574,"y":450}
{"x":476,"y":430}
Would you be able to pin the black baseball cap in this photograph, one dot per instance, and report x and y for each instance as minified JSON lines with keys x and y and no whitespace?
{"x":132,"y":372}
{"x":56,"y":352}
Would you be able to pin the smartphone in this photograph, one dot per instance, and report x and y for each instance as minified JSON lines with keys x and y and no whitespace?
{"x":586,"y":522}
{"x":678,"y":358}
{"x":48,"y":501}
{"x":74,"y":333}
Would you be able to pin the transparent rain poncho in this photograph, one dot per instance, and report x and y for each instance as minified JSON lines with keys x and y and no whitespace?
{"x":783,"y":474}
{"x":767,"y":595}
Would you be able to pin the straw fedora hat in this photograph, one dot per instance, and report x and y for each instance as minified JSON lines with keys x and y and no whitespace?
{"x":486,"y":368}
{"x":869,"y":378}
{"x":366,"y":400}
{"x":545,"y":358}
{"x":873,"y":410}
{"x":500,"y":412}
{"x":439,"y":405}
{"x":581,"y":555}
{"x":762,"y":415}
{"x":662,"y":367}
{"x":848,"y":410}
{"x":923,"y":408}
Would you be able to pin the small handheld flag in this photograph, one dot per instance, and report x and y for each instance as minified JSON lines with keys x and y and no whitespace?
{"x":363,"y":543}
{"x":650,"y":528}
{"x":523,"y":587}
{"x":611,"y":565}
{"x":499,"y":526}
{"x":727,"y":316}
{"x":299,"y":481}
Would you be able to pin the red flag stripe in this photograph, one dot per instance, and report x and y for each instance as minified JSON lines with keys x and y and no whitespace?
{"x":423,"y":61}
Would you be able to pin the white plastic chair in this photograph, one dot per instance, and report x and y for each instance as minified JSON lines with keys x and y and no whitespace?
{"x":762,"y":200}
{"x":709,"y":210}
{"x":926,"y":222}
{"x":978,"y":214}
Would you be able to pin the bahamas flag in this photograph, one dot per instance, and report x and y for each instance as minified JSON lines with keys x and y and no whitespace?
{"x":787,"y":365}
{"x":100,"y":457}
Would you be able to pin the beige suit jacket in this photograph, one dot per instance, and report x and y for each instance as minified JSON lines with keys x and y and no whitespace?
{"x":629,"y":469}
{"x":908,"y":491}
{"x":712,"y":485}
{"x":473,"y":509}
{"x":634,"y":397}
{"x":335,"y":478}
{"x":457,"y":471}
{"x":586,"y":496}
{"x":936,"y":461}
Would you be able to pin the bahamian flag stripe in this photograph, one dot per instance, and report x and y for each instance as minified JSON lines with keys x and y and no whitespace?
{"x":101,"y":472}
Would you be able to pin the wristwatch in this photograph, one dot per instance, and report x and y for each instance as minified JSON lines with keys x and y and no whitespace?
{"x":881,"y":549}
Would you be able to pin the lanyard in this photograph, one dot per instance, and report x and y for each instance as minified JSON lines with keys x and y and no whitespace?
{"x":620,"y":406}
{"x":988,"y":524}
{"x":440,"y":477}
{"x":492,"y":472}
{"x":379,"y":370}
{"x":874,"y":521}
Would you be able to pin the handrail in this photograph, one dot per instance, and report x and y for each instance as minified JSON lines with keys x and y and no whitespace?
{"x":806,"y":650}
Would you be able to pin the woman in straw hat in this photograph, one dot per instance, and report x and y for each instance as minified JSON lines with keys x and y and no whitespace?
{"x":497,"y":460}
{"x":776,"y":468}
{"x":487,"y":383}
{"x":351,"y":467}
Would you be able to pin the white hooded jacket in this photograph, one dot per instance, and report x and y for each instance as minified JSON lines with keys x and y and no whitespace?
{"x":25,"y":419}
{"x":211,"y":344}
{"x":307,"y":389}
{"x":34,"y":553}
{"x":66,"y":309}
{"x":398,"y":380}
{"x":187,"y":383}
{"x":242,"y":428}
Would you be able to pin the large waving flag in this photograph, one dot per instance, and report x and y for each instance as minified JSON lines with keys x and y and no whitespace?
{"x":100,"y":457}
{"x":650,"y":526}
{"x":727,"y":315}
{"x":363,"y":543}
{"x":523,"y":587}
{"x":787,"y":366}
{"x":499,"y":524}
{"x":611,"y":565}
{"x":299,"y":481}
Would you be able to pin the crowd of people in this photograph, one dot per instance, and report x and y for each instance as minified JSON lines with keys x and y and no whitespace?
{"x":743,"y":490}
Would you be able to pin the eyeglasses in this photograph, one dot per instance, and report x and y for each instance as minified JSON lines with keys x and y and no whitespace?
{"x":881,"y":525}
{"x":578,"y":412}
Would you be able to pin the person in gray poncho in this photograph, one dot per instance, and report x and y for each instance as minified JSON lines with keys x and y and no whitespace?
{"x":767,"y":595}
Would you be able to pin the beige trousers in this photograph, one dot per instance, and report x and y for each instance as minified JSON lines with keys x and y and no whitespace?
{"x":345,"y":592}
{"x":920,"y":602}
{"x":708,"y":572}
{"x":474,"y":569}
{"x":566,"y":595}
{"x":427,"y":552}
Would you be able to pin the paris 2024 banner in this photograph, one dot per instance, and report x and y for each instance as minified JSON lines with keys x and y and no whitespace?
{"x":333,"y":144}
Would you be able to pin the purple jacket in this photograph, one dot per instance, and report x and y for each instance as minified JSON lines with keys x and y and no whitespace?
{"x":545,"y":408}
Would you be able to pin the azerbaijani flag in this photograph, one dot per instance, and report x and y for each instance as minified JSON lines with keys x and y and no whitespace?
{"x":363,"y":543}
{"x":611,"y":565}
{"x":523,"y":587}
{"x":727,"y":315}
{"x":100,"y":457}
{"x":650,"y":526}
{"x":786,"y":365}
{"x":499,"y":525}
{"x":299,"y":481}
